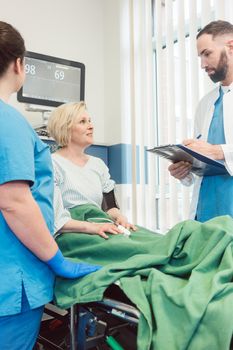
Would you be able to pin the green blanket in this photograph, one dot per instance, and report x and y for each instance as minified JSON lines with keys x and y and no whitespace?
{"x":182,"y":282}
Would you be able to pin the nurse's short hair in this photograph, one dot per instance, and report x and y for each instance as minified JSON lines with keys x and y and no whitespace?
{"x":62,"y":119}
{"x":216,"y":28}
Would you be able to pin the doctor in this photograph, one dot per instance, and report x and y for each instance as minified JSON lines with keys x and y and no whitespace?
{"x":212,"y":195}
{"x":29,"y":256}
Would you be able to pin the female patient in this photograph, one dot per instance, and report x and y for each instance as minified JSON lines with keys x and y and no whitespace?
{"x":80,"y":178}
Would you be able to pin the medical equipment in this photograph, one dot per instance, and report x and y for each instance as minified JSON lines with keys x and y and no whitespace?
{"x":108,"y":324}
{"x":124,"y":230}
{"x":51,"y":81}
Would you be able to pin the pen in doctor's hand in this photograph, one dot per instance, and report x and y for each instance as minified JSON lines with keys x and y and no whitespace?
{"x":190,"y":141}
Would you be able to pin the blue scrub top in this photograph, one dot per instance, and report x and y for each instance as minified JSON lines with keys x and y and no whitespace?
{"x":23,"y":156}
{"x":216,"y":192}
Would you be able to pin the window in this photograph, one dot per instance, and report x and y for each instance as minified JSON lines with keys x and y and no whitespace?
{"x":179,"y":84}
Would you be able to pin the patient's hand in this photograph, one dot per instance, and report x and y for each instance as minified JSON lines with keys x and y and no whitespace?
{"x":102,"y":228}
{"x":122,"y":220}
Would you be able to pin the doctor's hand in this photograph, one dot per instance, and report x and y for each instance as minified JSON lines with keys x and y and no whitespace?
{"x":64,"y":267}
{"x":180,"y":170}
{"x":205,"y":148}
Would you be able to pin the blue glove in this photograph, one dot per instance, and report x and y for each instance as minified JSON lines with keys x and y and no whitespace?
{"x":63,"y":267}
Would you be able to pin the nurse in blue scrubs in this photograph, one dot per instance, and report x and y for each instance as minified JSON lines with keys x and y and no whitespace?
{"x":29,"y":256}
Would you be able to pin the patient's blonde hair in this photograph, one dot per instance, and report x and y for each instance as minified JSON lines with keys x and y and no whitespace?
{"x":62,"y":120}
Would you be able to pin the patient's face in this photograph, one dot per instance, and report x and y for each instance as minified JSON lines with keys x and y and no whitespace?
{"x":82,"y":131}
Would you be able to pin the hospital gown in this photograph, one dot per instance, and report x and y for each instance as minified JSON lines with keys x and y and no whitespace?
{"x":76,"y":185}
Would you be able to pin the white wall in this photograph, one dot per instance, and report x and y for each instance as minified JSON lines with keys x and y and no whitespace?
{"x":79,"y":30}
{"x":112,"y":69}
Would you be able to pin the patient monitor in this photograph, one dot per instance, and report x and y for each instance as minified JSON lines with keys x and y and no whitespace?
{"x":51,"y":81}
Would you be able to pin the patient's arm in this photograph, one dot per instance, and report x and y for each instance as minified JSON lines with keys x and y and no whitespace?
{"x":110,"y":206}
{"x":64,"y":222}
{"x":90,"y":227}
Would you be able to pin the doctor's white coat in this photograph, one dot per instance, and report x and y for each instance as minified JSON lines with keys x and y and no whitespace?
{"x":202,"y":122}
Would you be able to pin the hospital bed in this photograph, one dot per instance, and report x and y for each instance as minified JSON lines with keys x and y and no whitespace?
{"x":87,"y":326}
{"x":163,"y":263}
{"x":107,"y":324}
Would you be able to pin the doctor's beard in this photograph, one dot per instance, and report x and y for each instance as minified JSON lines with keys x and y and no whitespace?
{"x":221,"y":70}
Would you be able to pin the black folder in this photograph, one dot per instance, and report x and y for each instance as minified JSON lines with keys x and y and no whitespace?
{"x":201,"y":165}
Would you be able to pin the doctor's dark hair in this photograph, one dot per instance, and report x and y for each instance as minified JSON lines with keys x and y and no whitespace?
{"x":62,"y":119}
{"x":216,"y":28}
{"x":11,"y":46}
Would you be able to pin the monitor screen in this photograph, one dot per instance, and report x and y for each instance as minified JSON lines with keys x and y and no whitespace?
{"x":51,"y":81}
